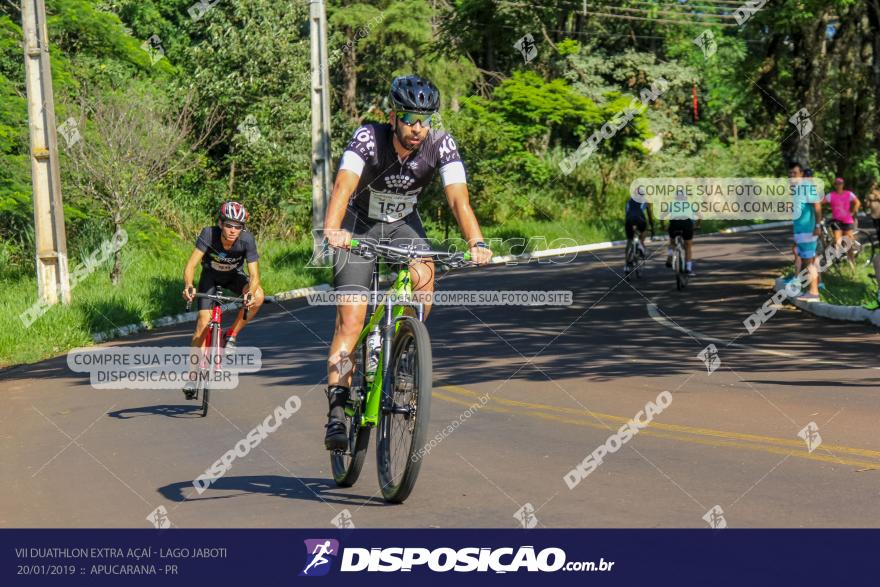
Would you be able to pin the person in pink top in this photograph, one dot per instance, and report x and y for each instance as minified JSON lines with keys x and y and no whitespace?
{"x":844,"y":206}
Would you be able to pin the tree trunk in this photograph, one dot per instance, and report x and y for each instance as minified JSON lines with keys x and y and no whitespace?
{"x":810,"y":72}
{"x":116,"y":272}
{"x":845,"y":45}
{"x":874,"y":19}
{"x":349,"y":83}
{"x":561,"y":21}
{"x":579,"y":25}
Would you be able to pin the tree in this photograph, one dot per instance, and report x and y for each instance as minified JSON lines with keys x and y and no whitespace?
{"x":129,"y":142}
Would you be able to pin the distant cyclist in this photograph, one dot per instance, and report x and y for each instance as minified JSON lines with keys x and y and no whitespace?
{"x":383,"y":172}
{"x":844,"y":206}
{"x":682,"y":221}
{"x":223,"y":251}
{"x":638,"y":216}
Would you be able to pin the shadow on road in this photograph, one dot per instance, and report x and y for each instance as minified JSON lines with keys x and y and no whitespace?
{"x":303,"y":488}
{"x":171,"y":411}
{"x":605,"y":335}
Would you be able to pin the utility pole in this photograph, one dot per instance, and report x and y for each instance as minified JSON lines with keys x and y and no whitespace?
{"x":53,"y":280}
{"x":320,"y":120}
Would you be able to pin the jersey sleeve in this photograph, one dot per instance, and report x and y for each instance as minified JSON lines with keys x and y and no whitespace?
{"x":203,"y":241}
{"x":250,"y":247}
{"x":447,"y":150}
{"x":852,"y":197}
{"x":449,"y":161}
{"x":361,"y":149}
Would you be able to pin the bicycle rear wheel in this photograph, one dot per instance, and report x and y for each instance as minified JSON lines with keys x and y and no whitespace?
{"x":347,"y":466}
{"x":406,"y":409}
{"x":677,"y":261}
{"x":630,"y":258}
{"x":640,"y":262}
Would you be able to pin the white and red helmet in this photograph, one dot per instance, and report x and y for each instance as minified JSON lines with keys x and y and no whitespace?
{"x":233,"y":211}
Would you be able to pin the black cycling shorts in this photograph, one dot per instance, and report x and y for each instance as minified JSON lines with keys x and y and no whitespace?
{"x":639,"y":223}
{"x":211,"y":281}
{"x":684,"y":227}
{"x":352,"y":272}
{"x":838,"y":225}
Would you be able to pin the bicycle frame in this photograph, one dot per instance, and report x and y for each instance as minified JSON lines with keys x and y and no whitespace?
{"x":389,"y":312}
{"x":216,"y":322}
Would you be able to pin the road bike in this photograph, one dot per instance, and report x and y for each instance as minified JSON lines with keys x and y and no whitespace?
{"x":635,"y":257}
{"x":679,"y":263}
{"x":213,"y":345}
{"x":863,"y":246}
{"x":391,"y":377}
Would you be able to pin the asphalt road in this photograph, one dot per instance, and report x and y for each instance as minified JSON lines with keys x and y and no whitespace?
{"x":556,"y":383}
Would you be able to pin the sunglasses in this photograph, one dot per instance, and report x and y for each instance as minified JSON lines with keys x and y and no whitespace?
{"x":410,"y":118}
{"x":233,"y":225}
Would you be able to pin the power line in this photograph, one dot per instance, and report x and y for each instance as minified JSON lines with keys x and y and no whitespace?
{"x":602,"y":34}
{"x":627,"y":17}
{"x":678,"y":12}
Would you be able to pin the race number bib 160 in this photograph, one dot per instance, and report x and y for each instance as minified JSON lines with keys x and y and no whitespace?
{"x":389,"y":207}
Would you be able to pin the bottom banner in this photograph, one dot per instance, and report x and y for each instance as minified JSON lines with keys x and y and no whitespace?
{"x":436,"y":557}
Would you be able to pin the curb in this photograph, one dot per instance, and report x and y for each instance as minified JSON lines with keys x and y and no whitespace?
{"x":191,"y":316}
{"x":751,"y":227}
{"x":305,"y":291}
{"x":832,"y":311}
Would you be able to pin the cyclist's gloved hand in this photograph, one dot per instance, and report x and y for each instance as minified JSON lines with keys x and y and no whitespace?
{"x":338,"y":238}
{"x":481,"y":254}
{"x":189,"y":293}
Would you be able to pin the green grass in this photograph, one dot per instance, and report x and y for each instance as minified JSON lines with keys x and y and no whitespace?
{"x":845,"y":286}
{"x":151,"y":287}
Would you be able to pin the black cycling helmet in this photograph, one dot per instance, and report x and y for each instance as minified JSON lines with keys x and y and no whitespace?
{"x":414,"y":94}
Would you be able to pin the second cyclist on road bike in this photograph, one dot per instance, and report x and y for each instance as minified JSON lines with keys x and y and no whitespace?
{"x":223,"y":251}
{"x":383,"y":170}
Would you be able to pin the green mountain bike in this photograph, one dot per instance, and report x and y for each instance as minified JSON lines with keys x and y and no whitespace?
{"x":396,"y":397}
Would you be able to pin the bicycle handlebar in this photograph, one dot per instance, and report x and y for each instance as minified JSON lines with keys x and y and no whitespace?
{"x":227,"y":299}
{"x":409,"y":253}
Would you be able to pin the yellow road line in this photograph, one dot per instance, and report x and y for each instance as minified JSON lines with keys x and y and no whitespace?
{"x":705,"y":436}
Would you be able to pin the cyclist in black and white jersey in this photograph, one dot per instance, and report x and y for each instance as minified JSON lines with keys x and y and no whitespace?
{"x":383,"y":171}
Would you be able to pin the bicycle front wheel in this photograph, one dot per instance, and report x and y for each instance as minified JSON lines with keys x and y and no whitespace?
{"x":213,"y":360}
{"x":677,"y":266}
{"x":406,"y":409}
{"x":347,"y":465}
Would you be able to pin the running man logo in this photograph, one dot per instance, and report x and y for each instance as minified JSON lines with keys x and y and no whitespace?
{"x":715,"y":518}
{"x":810,"y":435}
{"x":802,"y":122}
{"x":706,"y":42}
{"x":710,"y":358}
{"x":526,"y":516}
{"x":343,"y":520}
{"x":527,"y":47}
{"x":320,"y":553}
{"x":159,"y":518}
